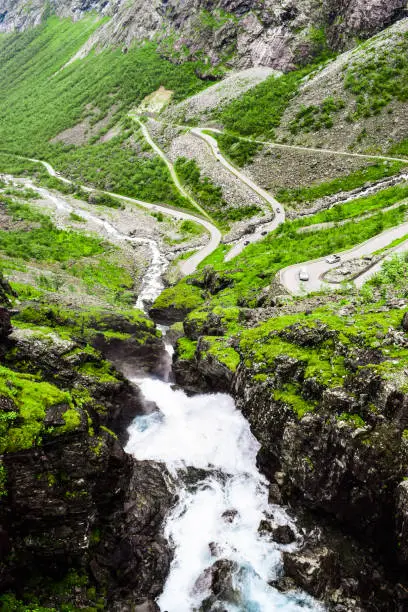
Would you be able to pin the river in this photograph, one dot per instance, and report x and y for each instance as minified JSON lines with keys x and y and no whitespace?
{"x":210,"y":451}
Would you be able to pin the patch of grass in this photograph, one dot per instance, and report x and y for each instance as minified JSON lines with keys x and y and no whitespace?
{"x":239,"y":151}
{"x":216,"y":257}
{"x":378,"y":78}
{"x":351,"y":181}
{"x":10,"y":164}
{"x":183,"y":297}
{"x":24,"y":427}
{"x":316,"y":117}
{"x":48,"y":243}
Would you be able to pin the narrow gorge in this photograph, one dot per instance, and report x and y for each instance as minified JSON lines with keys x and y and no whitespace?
{"x":203,"y":306}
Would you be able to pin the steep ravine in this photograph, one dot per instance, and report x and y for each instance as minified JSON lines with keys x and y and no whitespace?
{"x":227,"y":536}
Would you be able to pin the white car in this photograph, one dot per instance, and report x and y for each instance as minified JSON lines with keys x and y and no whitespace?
{"x":303,"y":274}
{"x":333,"y":259}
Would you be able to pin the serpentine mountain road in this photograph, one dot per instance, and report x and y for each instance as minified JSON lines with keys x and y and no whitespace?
{"x":274,"y":204}
{"x":187,"y":266}
{"x":289,"y":277}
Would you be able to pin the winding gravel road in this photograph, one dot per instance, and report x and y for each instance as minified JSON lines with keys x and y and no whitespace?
{"x":279,"y":145}
{"x":271,"y":201}
{"x":289,"y":277}
{"x":187,"y":266}
{"x":169,"y":165}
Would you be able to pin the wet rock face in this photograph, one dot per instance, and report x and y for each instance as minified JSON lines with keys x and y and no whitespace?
{"x":66,"y":496}
{"x":272,"y":33}
{"x":75,"y":500}
{"x":337,"y":569}
{"x":204,"y":374}
{"x":218,"y":579}
{"x":5,"y":323}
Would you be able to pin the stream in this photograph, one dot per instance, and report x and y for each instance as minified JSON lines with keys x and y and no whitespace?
{"x":210,"y":451}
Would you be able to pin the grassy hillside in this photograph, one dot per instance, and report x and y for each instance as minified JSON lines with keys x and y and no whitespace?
{"x":41,"y":96}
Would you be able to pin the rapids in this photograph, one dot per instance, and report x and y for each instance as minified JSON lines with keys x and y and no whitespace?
{"x":208,"y":447}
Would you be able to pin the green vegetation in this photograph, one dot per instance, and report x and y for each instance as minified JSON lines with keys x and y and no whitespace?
{"x":316,"y":117}
{"x":215,"y":19}
{"x":225,"y":354}
{"x":354,"y":420}
{"x":378,"y":78}
{"x":106,"y":84}
{"x":359,"y":178}
{"x":354,"y":208}
{"x":209,"y":195}
{"x":115,"y":166}
{"x":259,"y":111}
{"x":216,"y":257}
{"x":290,"y":395}
{"x":63,"y":257}
{"x":23,"y":427}
{"x":40,"y":590}
{"x":183,"y":297}
{"x":400,"y":148}
{"x":186,"y":348}
{"x":48,"y":243}
{"x":10,"y":164}
{"x":394,"y":273}
{"x":239,"y":150}
{"x":80,"y":323}
{"x":258,"y":264}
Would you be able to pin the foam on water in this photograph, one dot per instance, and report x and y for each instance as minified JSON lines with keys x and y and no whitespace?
{"x":206,"y":432}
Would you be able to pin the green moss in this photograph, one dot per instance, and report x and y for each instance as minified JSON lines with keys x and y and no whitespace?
{"x":225,"y":354}
{"x":72,"y":420}
{"x":97,"y":445}
{"x":354,"y":420}
{"x":99,"y":370}
{"x":23,"y":428}
{"x":290,"y":395}
{"x":186,"y":348}
{"x":109,"y":432}
{"x":183,"y":297}
{"x":3,"y":480}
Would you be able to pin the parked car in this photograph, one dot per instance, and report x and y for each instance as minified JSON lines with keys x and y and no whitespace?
{"x":303,"y":274}
{"x":333,"y":259}
{"x":246,"y":242}
{"x":264,"y":233}
{"x":278,"y":209}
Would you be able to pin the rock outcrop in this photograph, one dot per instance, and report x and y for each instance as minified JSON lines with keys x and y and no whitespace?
{"x":242,"y":33}
{"x":334,"y":444}
{"x":75,"y":508}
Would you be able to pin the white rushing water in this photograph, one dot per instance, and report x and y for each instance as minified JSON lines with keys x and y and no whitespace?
{"x":220,"y":509}
{"x":152,"y":284}
{"x":209,"y":449}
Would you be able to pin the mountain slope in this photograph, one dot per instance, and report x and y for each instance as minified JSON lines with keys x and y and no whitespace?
{"x":242,"y":33}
